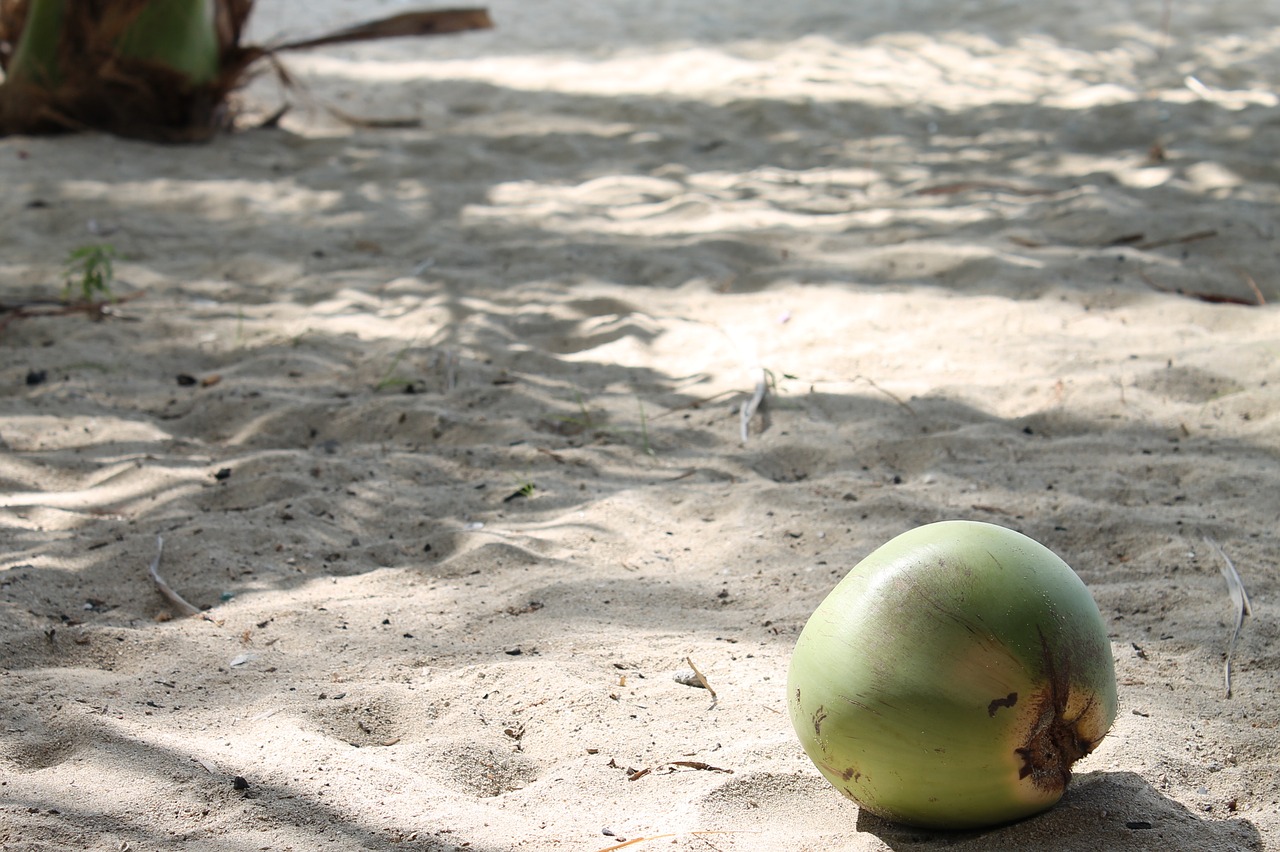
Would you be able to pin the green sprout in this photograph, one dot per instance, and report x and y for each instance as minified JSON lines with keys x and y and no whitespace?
{"x":389,"y":378}
{"x":91,"y":268}
{"x":644,"y":429}
{"x":525,"y":488}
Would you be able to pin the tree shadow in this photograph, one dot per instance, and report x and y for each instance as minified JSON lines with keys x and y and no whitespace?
{"x":306,"y":508}
{"x":202,"y":801}
{"x":854,"y":183}
{"x":676,"y":27}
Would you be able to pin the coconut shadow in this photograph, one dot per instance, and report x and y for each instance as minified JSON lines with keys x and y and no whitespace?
{"x":1113,"y":811}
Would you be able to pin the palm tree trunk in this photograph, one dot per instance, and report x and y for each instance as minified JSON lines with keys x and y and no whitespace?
{"x":178,"y":34}
{"x":35,"y":58}
{"x":154,"y":69}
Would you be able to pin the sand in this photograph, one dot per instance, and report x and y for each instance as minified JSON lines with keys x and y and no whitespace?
{"x":441,"y":425}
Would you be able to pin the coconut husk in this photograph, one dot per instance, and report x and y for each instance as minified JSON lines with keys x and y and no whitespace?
{"x":100,"y":90}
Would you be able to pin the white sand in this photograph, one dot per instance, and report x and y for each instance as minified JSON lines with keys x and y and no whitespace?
{"x":940,"y":226}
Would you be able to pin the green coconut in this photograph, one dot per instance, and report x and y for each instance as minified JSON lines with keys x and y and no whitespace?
{"x":953,"y":678}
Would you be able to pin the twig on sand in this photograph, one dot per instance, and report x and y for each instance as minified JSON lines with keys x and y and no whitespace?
{"x":1253,"y":285}
{"x":981,"y":186}
{"x":40,"y":308}
{"x":673,"y":766}
{"x":698,"y":764}
{"x":702,"y":680}
{"x":698,"y":834}
{"x":1166,"y":17}
{"x":1194,"y":236}
{"x":889,"y":394}
{"x":166,"y":591}
{"x":752,"y":405}
{"x":1212,"y":298}
{"x":1241,"y":601}
{"x":372,"y":123}
{"x":697,"y":403}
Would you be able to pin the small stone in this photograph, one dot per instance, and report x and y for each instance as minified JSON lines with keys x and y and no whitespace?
{"x":688,"y":677}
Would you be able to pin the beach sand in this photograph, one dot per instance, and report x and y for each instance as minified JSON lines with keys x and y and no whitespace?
{"x":441,"y":424}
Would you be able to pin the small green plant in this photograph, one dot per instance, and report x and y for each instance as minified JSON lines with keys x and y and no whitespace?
{"x":91,"y":269}
{"x":588,"y":422}
{"x":389,"y":378}
{"x":644,"y":429}
{"x":527,"y":488}
{"x":584,"y":423}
